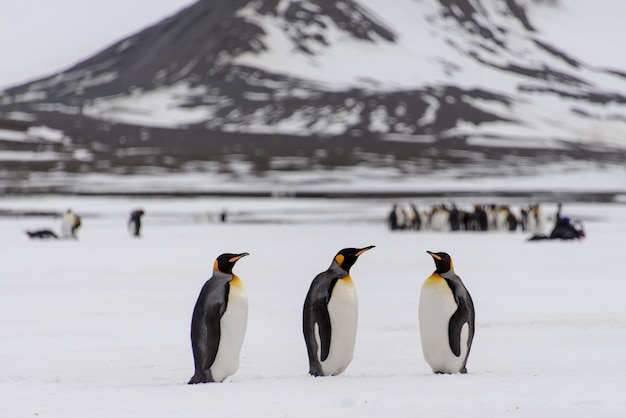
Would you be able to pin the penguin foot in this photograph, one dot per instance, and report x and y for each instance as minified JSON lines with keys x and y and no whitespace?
{"x":316,"y":371}
{"x":195,"y":379}
{"x":462,"y":371}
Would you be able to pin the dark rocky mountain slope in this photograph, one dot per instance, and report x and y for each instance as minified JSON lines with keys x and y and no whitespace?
{"x":287,"y":84}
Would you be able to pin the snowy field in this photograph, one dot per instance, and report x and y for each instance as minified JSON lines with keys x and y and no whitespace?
{"x":99,"y":327}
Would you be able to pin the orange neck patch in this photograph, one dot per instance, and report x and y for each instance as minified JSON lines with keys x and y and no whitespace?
{"x":435,"y":277}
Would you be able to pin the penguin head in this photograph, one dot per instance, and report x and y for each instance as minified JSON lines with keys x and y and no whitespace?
{"x":347,"y":257}
{"x":443,"y":262}
{"x":225,"y":262}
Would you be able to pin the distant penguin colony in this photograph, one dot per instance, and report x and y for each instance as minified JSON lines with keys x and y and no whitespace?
{"x":446,"y":318}
{"x":219,"y":322}
{"x":330,"y":314}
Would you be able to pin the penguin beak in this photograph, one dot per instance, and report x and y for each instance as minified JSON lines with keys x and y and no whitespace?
{"x":361,"y":251}
{"x":237,"y":257}
{"x":433,"y":255}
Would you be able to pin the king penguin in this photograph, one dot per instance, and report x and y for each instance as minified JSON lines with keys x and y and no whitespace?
{"x":219,"y":321}
{"x":330,"y":314}
{"x":446,"y":318}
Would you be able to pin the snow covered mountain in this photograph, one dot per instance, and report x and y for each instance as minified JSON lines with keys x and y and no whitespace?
{"x":268,"y":78}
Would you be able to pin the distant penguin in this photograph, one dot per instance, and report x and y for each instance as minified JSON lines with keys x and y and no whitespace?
{"x":134,"y":222}
{"x":446,"y":318}
{"x":330,"y":315}
{"x":219,"y":323}
{"x":70,"y":222}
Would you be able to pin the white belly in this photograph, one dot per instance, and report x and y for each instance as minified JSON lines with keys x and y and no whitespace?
{"x":435,"y":309}
{"x":233,"y":329}
{"x":343,"y":310}
{"x":67,"y":223}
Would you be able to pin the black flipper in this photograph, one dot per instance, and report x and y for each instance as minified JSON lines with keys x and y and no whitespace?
{"x":462,"y":316}
{"x":212,"y":323}
{"x":458,"y":319}
{"x":316,"y":314}
{"x":322,"y":319}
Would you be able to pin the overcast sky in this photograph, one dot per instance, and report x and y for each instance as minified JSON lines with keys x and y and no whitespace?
{"x":41,"y":37}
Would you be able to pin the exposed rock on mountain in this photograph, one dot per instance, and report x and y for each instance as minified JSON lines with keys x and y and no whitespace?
{"x":361,"y":80}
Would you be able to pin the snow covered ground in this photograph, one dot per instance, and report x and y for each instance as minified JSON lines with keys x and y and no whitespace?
{"x":99,"y":327}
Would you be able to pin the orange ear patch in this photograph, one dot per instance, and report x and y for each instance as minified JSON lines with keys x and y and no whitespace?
{"x":339,"y":259}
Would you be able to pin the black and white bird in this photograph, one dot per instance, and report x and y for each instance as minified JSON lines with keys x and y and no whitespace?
{"x":219,"y":322}
{"x":446,"y":318}
{"x":330,"y":316}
